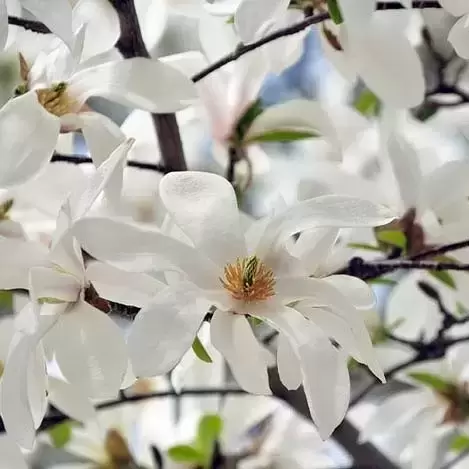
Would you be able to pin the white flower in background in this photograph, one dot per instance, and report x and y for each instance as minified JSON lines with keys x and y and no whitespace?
{"x":375,"y":48}
{"x":459,"y":34}
{"x":420,"y":423}
{"x":86,"y":344}
{"x":11,"y":458}
{"x":55,"y":90}
{"x":242,"y":274}
{"x":56,"y":14}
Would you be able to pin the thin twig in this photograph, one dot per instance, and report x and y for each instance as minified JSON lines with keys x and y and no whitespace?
{"x":30,"y":25}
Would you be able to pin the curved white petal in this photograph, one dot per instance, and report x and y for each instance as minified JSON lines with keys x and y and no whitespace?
{"x":29,"y":134}
{"x":3,"y":24}
{"x":12,"y":458}
{"x":455,"y":7}
{"x":289,"y":369}
{"x":388,"y":64}
{"x":163,"y":331}
{"x":233,"y":337}
{"x":71,"y":400}
{"x":55,"y":14}
{"x":252,"y":15}
{"x":102,"y":26}
{"x":355,"y":290}
{"x":18,"y":257}
{"x":142,"y":250}
{"x":205,"y":208}
{"x":137,"y":82}
{"x":129,"y":288}
{"x":48,"y":282}
{"x":152,"y":17}
{"x":357,"y":15}
{"x":90,"y":349}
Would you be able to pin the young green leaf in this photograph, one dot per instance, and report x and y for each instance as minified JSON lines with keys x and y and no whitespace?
{"x":432,"y":381}
{"x":382,"y":281}
{"x":444,"y":277}
{"x":200,"y":351}
{"x":185,"y":454}
{"x":60,"y":434}
{"x":394,"y":238}
{"x":367,"y":104}
{"x":365,"y":247}
{"x":209,"y":431}
{"x":460,"y":443}
{"x":6,"y":299}
{"x":283,"y":135}
{"x":334,"y":11}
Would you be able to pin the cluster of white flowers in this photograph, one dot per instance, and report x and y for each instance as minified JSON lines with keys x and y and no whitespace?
{"x":123,"y":270}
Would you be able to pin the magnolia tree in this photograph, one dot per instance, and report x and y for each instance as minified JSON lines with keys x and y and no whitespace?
{"x":148,"y":312}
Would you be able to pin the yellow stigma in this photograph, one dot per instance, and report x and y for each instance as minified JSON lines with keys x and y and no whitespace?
{"x":56,"y":99}
{"x":249,"y":279}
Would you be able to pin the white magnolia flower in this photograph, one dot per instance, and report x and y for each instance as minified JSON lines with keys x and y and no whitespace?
{"x":459,"y":34}
{"x":56,"y":14}
{"x":422,"y":421}
{"x":216,"y":265}
{"x":87,"y":345}
{"x":376,"y":49}
{"x":55,"y":91}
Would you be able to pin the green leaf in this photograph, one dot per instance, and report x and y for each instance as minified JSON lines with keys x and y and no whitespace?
{"x":60,"y":434}
{"x":283,"y":135}
{"x":247,"y":119}
{"x":460,"y":443}
{"x":460,"y":309}
{"x":200,"y":351}
{"x":334,"y":11}
{"x":6,"y":299}
{"x":394,"y":238}
{"x":433,"y":381}
{"x":209,"y":431}
{"x":230,"y":20}
{"x":365,"y":247}
{"x":185,"y":454}
{"x":254,"y":321}
{"x":444,"y":277}
{"x":381,"y":281}
{"x":367,"y":104}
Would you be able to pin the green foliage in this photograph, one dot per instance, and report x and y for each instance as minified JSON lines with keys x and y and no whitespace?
{"x":254,"y":321}
{"x":282,"y":135}
{"x":367,"y":104}
{"x":382,"y":281}
{"x":392,"y":237}
{"x":444,"y":277}
{"x":200,"y":351}
{"x":200,"y":452}
{"x":246,"y":120}
{"x":430,"y":380}
{"x":460,"y":443}
{"x":334,"y":11}
{"x":60,"y":434}
{"x":365,"y":247}
{"x":6,"y":299}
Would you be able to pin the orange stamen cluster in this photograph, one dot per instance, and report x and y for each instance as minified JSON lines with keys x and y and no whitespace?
{"x":56,"y":99}
{"x":249,"y":280}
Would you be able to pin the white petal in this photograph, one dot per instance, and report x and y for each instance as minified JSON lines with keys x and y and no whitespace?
{"x":252,"y":16}
{"x":204,"y":206}
{"x":3,"y":24}
{"x":90,"y":348}
{"x":233,"y":337}
{"x":47,"y":282}
{"x":324,"y":370}
{"x":294,"y":115}
{"x":357,"y":15}
{"x":455,"y":7}
{"x":131,"y":82}
{"x":355,"y":290}
{"x":55,"y":14}
{"x":130,"y":288}
{"x":12,"y":457}
{"x":18,"y":257}
{"x":163,"y":331}
{"x":328,"y":210}
{"x":389,"y":65}
{"x":71,"y":400}
{"x":142,"y":250}
{"x":289,"y":369}
{"x":102,"y":26}
{"x":29,"y":134}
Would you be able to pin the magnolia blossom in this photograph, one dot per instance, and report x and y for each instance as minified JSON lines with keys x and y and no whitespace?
{"x":423,"y":420}
{"x":459,"y":34}
{"x":216,"y":265}
{"x":55,"y":89}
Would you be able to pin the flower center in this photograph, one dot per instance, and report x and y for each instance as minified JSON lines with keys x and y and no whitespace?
{"x":249,"y":279}
{"x":117,"y":450}
{"x":56,"y":100}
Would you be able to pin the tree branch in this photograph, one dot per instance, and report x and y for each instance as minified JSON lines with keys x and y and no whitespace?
{"x":30,"y":25}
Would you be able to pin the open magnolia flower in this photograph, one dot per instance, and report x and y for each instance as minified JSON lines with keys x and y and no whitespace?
{"x":423,"y":420}
{"x":242,"y":274}
{"x":54,"y":92}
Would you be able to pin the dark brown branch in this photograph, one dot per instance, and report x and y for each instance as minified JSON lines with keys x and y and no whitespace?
{"x":30,"y":25}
